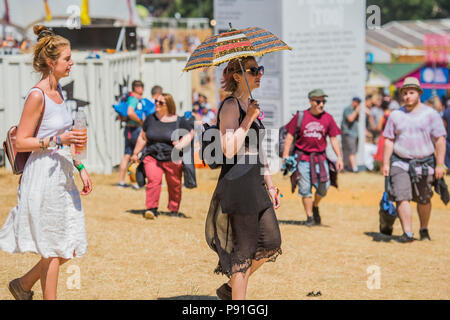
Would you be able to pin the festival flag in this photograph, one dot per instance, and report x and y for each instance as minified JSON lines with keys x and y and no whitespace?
{"x":130,"y":10}
{"x":48,"y":13}
{"x":85,"y":19}
{"x":7,"y":12}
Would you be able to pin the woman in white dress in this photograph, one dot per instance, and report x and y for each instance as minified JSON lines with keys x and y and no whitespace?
{"x":48,"y":219}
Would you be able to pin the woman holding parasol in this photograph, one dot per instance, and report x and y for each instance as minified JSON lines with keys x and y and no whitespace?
{"x":241,"y":225}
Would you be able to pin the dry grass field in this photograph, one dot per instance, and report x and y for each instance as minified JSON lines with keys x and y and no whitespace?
{"x":167,"y":258}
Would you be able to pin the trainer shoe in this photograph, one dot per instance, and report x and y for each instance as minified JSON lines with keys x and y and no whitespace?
{"x":150,"y":214}
{"x":224,"y":292}
{"x":309,"y":222}
{"x":405,"y":238}
{"x":122,"y":185}
{"x":316,"y":215}
{"x":17,"y":291}
{"x":424,"y":235}
{"x":135,"y":186}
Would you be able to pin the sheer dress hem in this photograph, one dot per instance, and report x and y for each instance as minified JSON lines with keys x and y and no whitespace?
{"x":243,"y":265}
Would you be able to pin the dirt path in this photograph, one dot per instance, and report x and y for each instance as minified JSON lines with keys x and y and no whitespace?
{"x":133,"y":258}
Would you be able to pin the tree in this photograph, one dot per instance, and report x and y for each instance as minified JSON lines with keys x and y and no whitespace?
{"x":411,"y":9}
{"x":187,"y":8}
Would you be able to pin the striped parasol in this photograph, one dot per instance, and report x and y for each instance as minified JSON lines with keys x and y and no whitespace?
{"x":234,"y":44}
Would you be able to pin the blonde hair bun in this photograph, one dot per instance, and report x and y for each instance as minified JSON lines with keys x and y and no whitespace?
{"x":42,"y":31}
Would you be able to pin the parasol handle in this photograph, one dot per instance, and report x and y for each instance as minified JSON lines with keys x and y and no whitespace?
{"x":245,"y":77}
{"x":261,"y":117}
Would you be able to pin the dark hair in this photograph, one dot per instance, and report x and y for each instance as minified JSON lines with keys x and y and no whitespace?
{"x":228,"y":82}
{"x":156,"y":89}
{"x":196,"y":105}
{"x":385,"y":104}
{"x":137,"y":83}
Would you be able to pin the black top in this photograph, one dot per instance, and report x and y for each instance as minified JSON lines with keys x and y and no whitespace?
{"x":241,"y":187}
{"x":257,"y":126}
{"x":159,"y":136}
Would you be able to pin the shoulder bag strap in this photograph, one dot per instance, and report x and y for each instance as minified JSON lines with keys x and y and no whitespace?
{"x":220,"y":108}
{"x":42,"y":112}
{"x":299,"y":122}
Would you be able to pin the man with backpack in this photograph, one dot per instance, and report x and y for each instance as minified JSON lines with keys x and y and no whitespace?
{"x":137,"y":109}
{"x":313,"y":167}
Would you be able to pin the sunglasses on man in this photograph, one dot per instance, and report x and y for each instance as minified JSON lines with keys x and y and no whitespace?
{"x":254,"y":71}
{"x":320,"y":101}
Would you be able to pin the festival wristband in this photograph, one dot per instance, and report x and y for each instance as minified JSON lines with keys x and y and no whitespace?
{"x":277,"y":190}
{"x":442,"y":166}
{"x":42,"y":144}
{"x":80,"y":167}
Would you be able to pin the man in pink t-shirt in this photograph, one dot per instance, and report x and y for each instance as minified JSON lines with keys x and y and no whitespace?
{"x":310,"y":145}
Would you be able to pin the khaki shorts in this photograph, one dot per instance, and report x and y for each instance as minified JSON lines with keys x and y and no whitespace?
{"x":402,"y":188}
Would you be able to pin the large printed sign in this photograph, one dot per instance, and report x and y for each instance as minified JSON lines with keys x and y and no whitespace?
{"x":328,"y":41}
{"x":434,"y":75}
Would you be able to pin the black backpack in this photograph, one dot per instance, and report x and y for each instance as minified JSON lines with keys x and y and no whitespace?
{"x":282,"y":133}
{"x":206,"y":140}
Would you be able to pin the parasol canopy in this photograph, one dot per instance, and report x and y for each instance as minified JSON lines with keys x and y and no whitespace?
{"x":234,"y":44}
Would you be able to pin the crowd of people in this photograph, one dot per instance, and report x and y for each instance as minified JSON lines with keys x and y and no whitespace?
{"x":377,"y":110}
{"x":202,"y":110}
{"x":170,"y":43}
{"x":241,"y":226}
{"x":9,"y":43}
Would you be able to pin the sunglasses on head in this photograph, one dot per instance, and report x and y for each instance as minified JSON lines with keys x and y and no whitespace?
{"x":320,"y":101}
{"x":254,"y":71}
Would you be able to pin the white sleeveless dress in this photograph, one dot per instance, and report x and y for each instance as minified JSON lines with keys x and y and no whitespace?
{"x":48,"y":218}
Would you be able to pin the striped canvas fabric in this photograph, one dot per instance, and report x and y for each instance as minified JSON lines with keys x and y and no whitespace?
{"x":234,"y":44}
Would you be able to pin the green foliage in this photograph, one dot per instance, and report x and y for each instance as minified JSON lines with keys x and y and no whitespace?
{"x":411,"y":9}
{"x":187,"y":8}
{"x":390,"y":9}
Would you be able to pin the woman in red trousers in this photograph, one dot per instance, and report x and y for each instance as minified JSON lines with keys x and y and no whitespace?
{"x":156,"y":137}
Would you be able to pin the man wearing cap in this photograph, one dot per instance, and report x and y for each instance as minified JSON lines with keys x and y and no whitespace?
{"x":413,"y":157}
{"x":350,"y":134}
{"x":313,"y":167}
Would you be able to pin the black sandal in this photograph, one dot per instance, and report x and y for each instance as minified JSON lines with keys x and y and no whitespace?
{"x":224,"y":292}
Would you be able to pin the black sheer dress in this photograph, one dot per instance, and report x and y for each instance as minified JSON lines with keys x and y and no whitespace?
{"x":241,"y":224}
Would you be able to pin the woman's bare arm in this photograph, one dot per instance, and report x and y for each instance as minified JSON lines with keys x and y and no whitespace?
{"x":185,"y":140}
{"x":140,"y":143}
{"x":25,"y":142}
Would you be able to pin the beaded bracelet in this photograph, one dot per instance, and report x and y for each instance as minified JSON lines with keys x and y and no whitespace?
{"x":59,"y":142}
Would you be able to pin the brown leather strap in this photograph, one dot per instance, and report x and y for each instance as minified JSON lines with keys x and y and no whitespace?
{"x":42,"y":113}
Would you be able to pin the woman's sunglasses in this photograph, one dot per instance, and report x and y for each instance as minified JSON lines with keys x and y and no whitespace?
{"x":254,"y":71}
{"x":159,"y":102}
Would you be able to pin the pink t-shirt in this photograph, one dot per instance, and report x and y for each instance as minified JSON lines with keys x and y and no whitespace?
{"x":313,"y":132}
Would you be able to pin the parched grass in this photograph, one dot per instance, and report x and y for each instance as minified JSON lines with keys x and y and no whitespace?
{"x":132,"y":258}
